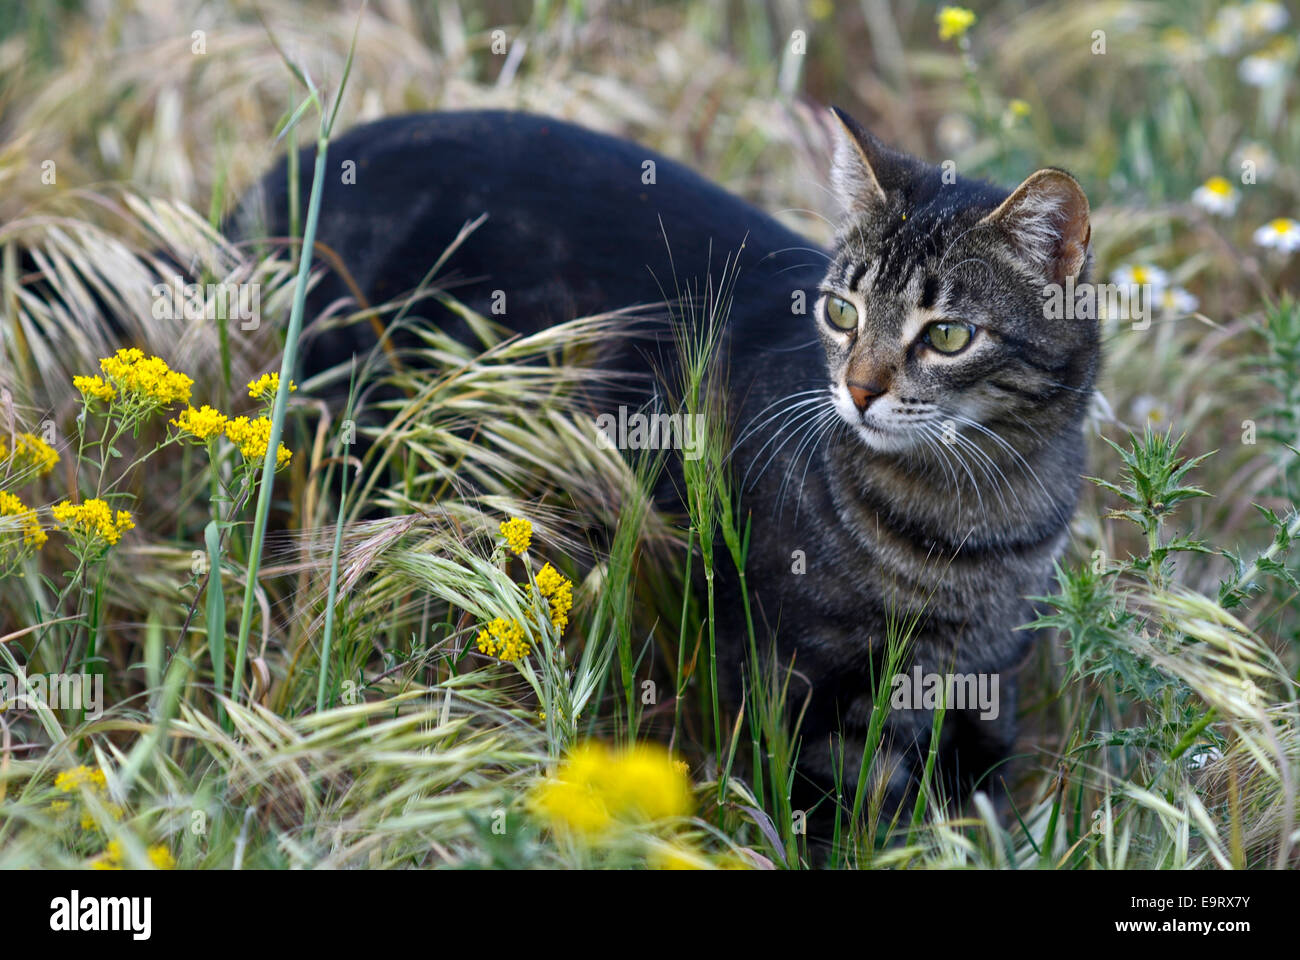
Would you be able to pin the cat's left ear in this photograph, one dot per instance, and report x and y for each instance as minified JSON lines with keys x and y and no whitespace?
{"x":863,"y":169}
{"x":1046,"y":222}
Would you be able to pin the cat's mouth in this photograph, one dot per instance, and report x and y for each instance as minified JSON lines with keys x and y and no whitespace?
{"x":884,"y":425}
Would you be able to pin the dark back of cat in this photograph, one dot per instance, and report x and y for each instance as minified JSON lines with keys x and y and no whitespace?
{"x":911,"y":443}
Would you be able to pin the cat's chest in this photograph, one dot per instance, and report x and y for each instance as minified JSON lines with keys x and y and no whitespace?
{"x":842,"y":591}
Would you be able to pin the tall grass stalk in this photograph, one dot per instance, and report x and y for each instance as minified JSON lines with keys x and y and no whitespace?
{"x":331,"y":598}
{"x":263,"y":509}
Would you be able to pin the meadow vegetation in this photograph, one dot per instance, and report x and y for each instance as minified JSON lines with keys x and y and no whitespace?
{"x":444,"y":625}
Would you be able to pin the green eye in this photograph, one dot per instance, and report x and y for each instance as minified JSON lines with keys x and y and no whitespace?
{"x":948,"y":337}
{"x":841,"y":313}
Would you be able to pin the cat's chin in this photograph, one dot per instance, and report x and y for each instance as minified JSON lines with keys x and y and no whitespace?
{"x":884,"y":439}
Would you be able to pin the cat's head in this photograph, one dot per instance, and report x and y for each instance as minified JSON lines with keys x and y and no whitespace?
{"x":932,"y":312}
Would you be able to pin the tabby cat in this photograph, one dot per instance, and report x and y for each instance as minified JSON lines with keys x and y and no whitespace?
{"x":910,"y":443}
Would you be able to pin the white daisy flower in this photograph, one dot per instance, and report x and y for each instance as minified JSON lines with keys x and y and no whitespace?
{"x":1258,"y":157}
{"x":1228,"y":30}
{"x":1137,"y":274}
{"x":1216,"y":196}
{"x":1282,"y":234}
{"x":1180,"y":44}
{"x":1269,"y":66}
{"x":1147,"y":409}
{"x":1261,"y":70}
{"x":1177,"y":302}
{"x":954,"y":133}
{"x":1264,"y":17}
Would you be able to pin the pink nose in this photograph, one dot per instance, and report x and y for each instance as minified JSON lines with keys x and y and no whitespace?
{"x":862,"y":396}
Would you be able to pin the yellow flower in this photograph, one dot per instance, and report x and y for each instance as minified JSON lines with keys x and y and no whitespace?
{"x":1019,"y":108}
{"x":161,"y":857}
{"x":88,"y":821}
{"x":31,"y":452}
{"x":252,"y":437}
{"x":503,"y":639}
{"x":558,"y":589}
{"x":92,"y":520}
{"x":77,"y":777}
{"x":202,"y":424}
{"x":94,"y":388}
{"x":954,"y":22}
{"x":110,"y":859}
{"x":11,"y":506}
{"x":1219,"y":186}
{"x":597,"y":786}
{"x":146,"y":379}
{"x":571,"y":807}
{"x":518,"y":533}
{"x":268,"y":384}
{"x":644,"y":782}
{"x":675,"y":857}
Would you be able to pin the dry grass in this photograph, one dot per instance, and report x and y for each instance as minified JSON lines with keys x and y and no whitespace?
{"x":153,"y":143}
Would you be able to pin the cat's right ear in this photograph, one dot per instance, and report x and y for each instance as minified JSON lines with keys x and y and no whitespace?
{"x":857,"y":167}
{"x":1046,"y":222}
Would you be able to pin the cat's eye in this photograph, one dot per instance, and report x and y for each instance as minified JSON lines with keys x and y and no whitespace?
{"x":841,"y":313}
{"x":949,"y":337}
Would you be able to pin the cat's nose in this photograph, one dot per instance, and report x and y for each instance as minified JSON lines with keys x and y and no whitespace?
{"x":862,"y":396}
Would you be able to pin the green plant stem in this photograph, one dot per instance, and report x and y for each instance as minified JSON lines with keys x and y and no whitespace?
{"x":332,"y":596}
{"x":263,"y":508}
{"x":681,"y":633}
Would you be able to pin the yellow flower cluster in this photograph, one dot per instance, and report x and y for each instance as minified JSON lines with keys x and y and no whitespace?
{"x":30,"y":452}
{"x":518,"y":533}
{"x":145,"y":378}
{"x":93,"y":780}
{"x":506,"y":638}
{"x":598,"y":787}
{"x":82,"y":776}
{"x":954,"y":22}
{"x":11,"y":506}
{"x":88,"y":821}
{"x":111,"y":858}
{"x":267,"y":384}
{"x":93,"y":520}
{"x":503,"y":639}
{"x":558,"y":589}
{"x":94,"y":388}
{"x":202,"y":424}
{"x":252,"y":437}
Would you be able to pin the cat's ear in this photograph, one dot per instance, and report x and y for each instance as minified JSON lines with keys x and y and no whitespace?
{"x":861,"y":166}
{"x":1046,"y":222}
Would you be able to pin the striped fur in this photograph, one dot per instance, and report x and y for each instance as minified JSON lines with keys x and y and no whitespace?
{"x":949,"y":497}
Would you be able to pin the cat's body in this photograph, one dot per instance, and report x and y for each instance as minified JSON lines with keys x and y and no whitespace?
{"x":873,"y":501}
